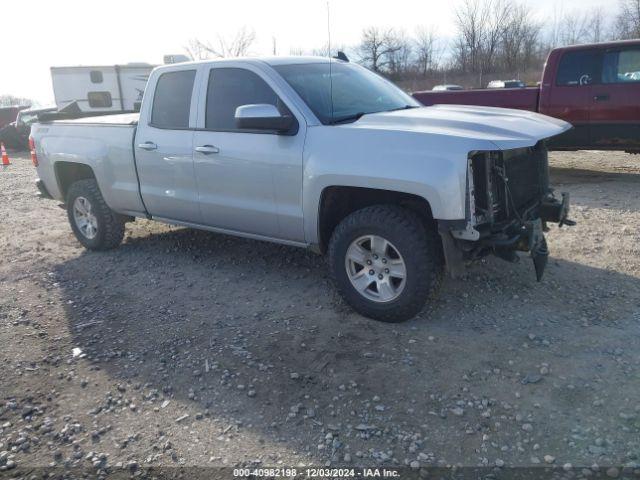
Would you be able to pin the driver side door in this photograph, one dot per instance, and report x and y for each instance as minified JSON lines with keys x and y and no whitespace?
{"x":249,"y":181}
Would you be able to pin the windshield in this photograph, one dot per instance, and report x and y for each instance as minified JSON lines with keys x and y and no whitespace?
{"x":356,"y":91}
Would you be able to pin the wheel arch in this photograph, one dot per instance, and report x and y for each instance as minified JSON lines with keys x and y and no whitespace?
{"x":338,"y":201}
{"x":68,"y":173}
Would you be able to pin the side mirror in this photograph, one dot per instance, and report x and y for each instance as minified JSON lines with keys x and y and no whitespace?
{"x":263,"y":116}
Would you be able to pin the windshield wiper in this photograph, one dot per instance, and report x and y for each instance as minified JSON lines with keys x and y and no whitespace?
{"x":356,"y":116}
{"x":347,"y":118}
{"x":406,"y":107}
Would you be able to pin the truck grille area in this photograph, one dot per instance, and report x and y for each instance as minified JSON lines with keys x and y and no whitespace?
{"x":507,"y":184}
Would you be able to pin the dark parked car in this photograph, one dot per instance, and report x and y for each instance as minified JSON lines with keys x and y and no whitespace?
{"x":16,"y":134}
{"x":8,"y":115}
{"x":506,"y":84}
{"x":440,"y":88}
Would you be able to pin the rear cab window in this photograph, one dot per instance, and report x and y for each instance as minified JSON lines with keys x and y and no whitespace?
{"x":172,"y":100}
{"x":578,"y":67}
{"x":621,"y":66}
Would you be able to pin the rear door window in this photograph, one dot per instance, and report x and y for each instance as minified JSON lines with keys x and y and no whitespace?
{"x":172,"y":100}
{"x":621,"y":66}
{"x":578,"y":68}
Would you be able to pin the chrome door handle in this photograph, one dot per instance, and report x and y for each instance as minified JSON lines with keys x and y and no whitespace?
{"x":207,"y":149}
{"x":147,"y":146}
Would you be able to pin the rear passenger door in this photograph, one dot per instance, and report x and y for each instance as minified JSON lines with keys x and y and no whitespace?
{"x":248,"y":181}
{"x":164,"y":148}
{"x":615,"y":110}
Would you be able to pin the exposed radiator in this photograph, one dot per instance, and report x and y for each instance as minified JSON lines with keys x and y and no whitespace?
{"x":506,"y":183}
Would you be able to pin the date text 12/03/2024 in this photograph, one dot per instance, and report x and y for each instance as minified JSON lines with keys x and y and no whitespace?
{"x":317,"y":472}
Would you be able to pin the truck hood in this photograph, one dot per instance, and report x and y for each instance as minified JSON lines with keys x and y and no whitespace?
{"x":505,"y":128}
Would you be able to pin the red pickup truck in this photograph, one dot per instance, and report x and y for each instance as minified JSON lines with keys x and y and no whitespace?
{"x":595,"y":87}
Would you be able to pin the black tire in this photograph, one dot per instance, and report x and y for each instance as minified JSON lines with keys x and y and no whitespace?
{"x":110,"y":225}
{"x":416,"y":241}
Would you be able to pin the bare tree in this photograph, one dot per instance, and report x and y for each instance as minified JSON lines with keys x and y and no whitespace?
{"x":577,"y":26}
{"x":322,"y":51}
{"x":597,"y":26}
{"x":197,"y":50}
{"x":236,"y":46}
{"x":495,"y":36}
{"x":500,"y":14}
{"x":297,"y":51}
{"x":519,"y":41}
{"x":553,"y":28}
{"x":7,"y":100}
{"x":427,"y":52}
{"x":628,"y":20}
{"x":481,"y":25}
{"x":399,"y":53}
{"x":376,"y":46}
{"x":471,"y":21}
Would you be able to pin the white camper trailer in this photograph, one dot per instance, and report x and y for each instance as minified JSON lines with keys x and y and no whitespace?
{"x":114,"y":88}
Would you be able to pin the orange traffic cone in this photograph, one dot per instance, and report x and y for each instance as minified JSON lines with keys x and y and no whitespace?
{"x":5,"y":157}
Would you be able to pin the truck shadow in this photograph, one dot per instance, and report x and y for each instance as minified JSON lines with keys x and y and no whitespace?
{"x":252,"y":335}
{"x":615,"y":191}
{"x":568,"y":175}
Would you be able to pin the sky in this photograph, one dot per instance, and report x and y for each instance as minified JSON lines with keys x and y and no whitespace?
{"x":39,"y":34}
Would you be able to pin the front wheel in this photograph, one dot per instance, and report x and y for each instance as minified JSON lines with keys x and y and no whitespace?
{"x":94,"y":224}
{"x":385,"y":262}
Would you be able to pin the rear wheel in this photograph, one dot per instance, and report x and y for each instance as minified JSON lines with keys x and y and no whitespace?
{"x":385,"y":262}
{"x":94,"y":224}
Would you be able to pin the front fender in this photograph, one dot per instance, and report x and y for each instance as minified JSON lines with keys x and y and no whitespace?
{"x":430,"y":166}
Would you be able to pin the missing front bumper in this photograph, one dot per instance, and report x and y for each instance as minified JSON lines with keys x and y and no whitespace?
{"x":506,"y":240}
{"x":556,"y":211}
{"x":528,"y":237}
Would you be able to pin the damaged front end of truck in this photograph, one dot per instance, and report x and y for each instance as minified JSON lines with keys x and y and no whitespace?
{"x":509,"y":204}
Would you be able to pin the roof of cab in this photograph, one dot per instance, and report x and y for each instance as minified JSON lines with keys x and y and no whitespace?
{"x":292,"y":60}
{"x":603,"y":45}
{"x":272,"y":61}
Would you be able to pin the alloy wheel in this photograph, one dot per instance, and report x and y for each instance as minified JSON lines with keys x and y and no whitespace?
{"x":376,"y":268}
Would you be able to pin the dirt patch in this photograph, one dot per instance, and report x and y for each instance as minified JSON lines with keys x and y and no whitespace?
{"x":189,"y":348}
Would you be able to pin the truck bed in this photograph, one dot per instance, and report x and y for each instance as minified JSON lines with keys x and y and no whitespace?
{"x":103,"y":143}
{"x":117,"y":119}
{"x":517,"y":98}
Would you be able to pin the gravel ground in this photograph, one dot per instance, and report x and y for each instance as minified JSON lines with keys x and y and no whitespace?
{"x":190,"y":348}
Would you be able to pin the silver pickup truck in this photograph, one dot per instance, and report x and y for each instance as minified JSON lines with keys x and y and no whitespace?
{"x":316,"y":153}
